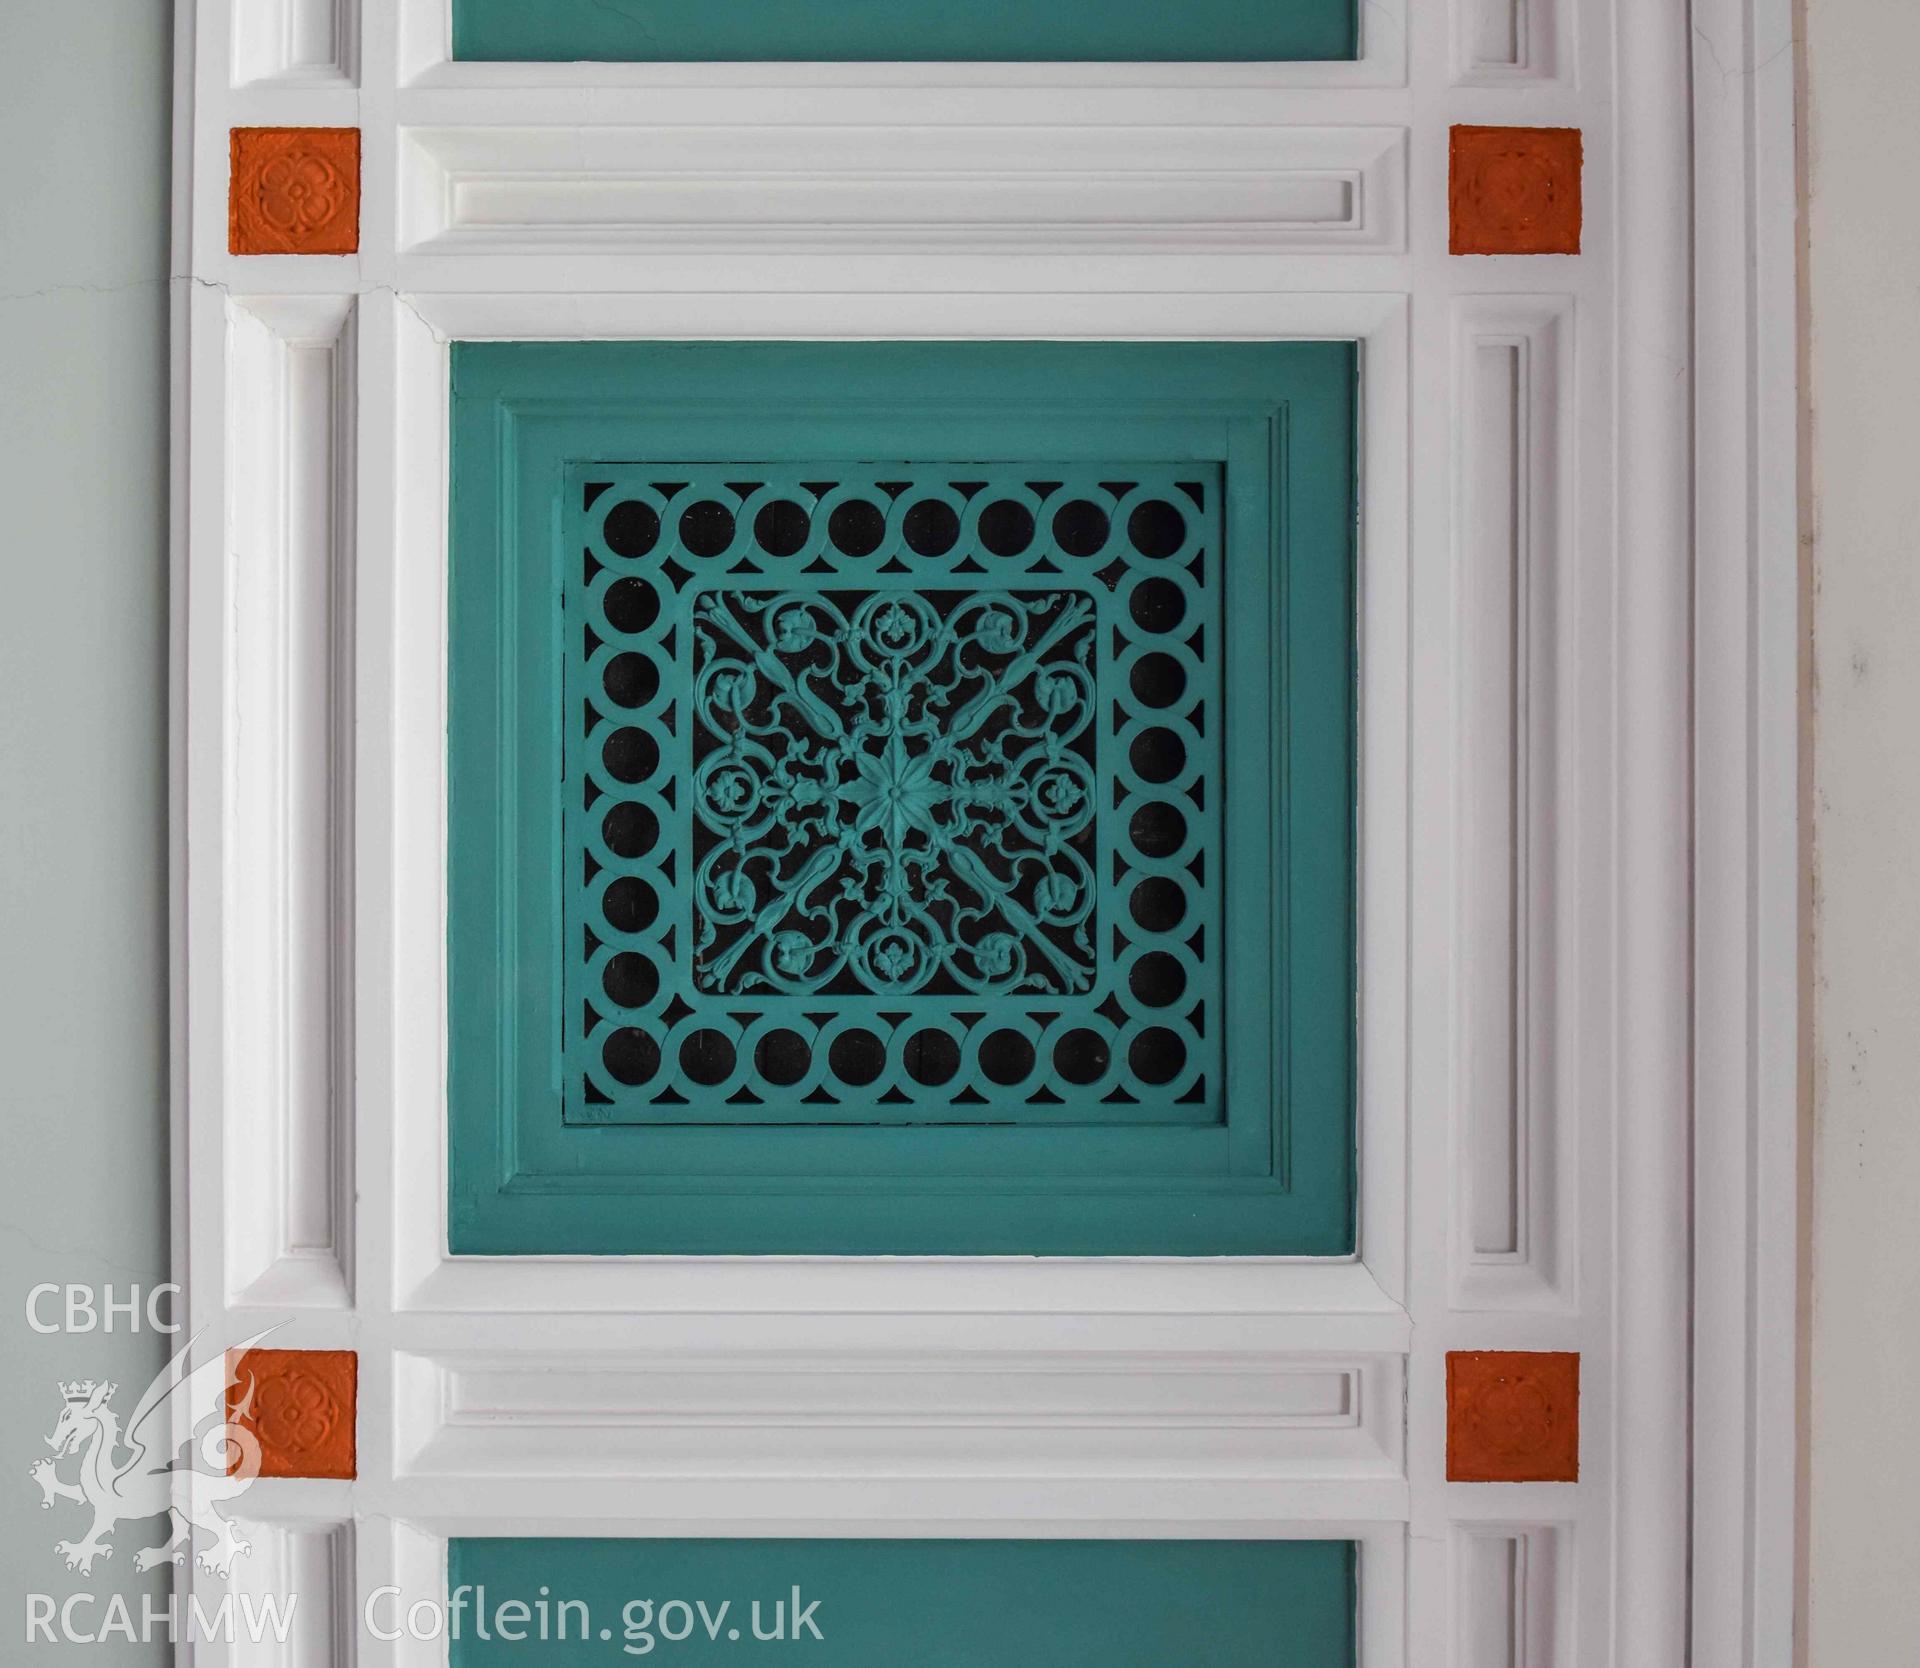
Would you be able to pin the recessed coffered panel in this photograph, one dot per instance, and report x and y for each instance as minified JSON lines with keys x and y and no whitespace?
{"x":295,"y":43}
{"x":906,"y":812}
{"x":1513,"y":508}
{"x":967,"y":187}
{"x":1503,"y":43}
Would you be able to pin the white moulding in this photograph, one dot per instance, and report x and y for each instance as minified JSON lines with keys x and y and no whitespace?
{"x":889,"y":189}
{"x":1513,"y":537}
{"x":290,"y":44}
{"x":287,"y":1135}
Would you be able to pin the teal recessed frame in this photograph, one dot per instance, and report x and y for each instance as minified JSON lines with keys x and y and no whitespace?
{"x":881,"y":31}
{"x":882,"y":1603}
{"x":1019,"y":1016}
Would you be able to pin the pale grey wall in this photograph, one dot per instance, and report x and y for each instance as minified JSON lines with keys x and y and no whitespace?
{"x":85,"y":90}
{"x":1864,"y":342}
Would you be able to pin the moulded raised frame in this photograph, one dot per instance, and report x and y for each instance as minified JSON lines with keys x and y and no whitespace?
{"x":426,"y":1277}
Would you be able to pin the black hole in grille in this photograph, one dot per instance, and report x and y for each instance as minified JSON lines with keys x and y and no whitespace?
{"x":1157,"y":979}
{"x":632,"y":529}
{"x":707,"y":1057}
{"x":631,"y":605}
{"x":1157,"y":529}
{"x":630,"y":981}
{"x":630,"y":905}
{"x":1006,"y":527}
{"x":1158,"y":755}
{"x":631,"y":1056}
{"x":630,"y":755}
{"x":1157,"y":829}
{"x":1006,"y":1057}
{"x":1157,"y":1055}
{"x":630,"y":830}
{"x":782,"y":527}
{"x":932,"y":1057}
{"x":1082,"y":1056}
{"x":1158,"y":680}
{"x":930,"y":527}
{"x":1080,"y":528}
{"x":857,"y":527}
{"x":706,"y":528}
{"x":1157,"y":605}
{"x":783,"y":1057}
{"x":631,"y":680}
{"x":1158,"y":904}
{"x":857,"y":1057}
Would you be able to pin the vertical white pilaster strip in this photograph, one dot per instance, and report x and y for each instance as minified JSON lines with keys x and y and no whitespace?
{"x":1651,"y":1044}
{"x":289,"y":813}
{"x":1513,"y":1245}
{"x":1746,"y":779}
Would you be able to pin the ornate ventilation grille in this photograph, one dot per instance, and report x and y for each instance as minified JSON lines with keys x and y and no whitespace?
{"x":894,"y":792}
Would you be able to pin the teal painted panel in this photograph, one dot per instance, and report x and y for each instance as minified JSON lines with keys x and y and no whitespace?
{"x":885,"y":1603}
{"x":921,"y":889}
{"x":1004,"y":31}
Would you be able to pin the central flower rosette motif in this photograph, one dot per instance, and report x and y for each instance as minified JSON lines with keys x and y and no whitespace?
{"x":893,"y":792}
{"x":298,"y":190}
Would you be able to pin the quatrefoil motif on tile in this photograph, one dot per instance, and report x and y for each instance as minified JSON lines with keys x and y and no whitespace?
{"x":294,"y":191}
{"x":299,"y":1404}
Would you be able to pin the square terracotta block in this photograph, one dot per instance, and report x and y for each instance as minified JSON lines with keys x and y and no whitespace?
{"x":299,"y":1404}
{"x":1515,"y":191}
{"x":1513,"y":1417}
{"x":294,"y":191}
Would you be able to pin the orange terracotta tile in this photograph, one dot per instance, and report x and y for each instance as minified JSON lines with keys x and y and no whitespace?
{"x":1513,"y":1417}
{"x":299,"y":1404}
{"x":294,"y":191}
{"x":1515,"y":191}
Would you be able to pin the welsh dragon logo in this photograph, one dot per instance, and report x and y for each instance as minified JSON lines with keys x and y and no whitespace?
{"x":137,"y":1473}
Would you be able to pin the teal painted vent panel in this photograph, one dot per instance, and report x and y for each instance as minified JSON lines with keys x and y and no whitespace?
{"x":885,"y":1603}
{"x":901,"y":798}
{"x":1003,"y":31}
{"x":897,"y":793}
